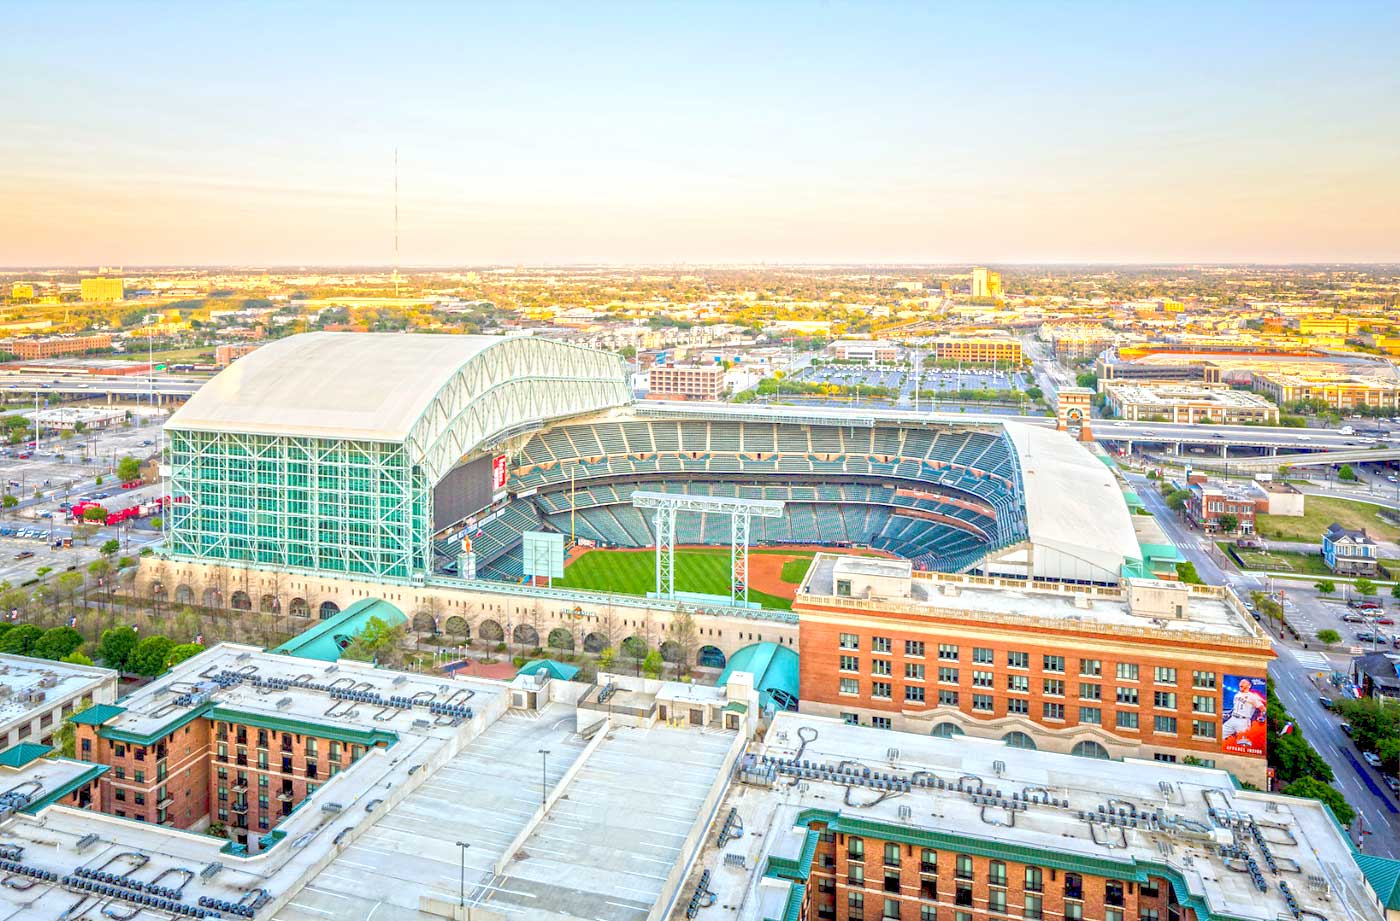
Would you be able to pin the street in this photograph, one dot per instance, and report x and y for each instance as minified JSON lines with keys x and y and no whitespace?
{"x":1359,"y":784}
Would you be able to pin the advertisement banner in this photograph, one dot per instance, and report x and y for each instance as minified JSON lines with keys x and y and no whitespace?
{"x":1242,"y":702}
{"x":498,"y":473}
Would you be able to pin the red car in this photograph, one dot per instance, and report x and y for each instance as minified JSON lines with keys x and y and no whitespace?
{"x":1383,"y":620}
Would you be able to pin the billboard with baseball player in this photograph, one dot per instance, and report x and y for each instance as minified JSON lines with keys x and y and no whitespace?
{"x":1244,"y":706}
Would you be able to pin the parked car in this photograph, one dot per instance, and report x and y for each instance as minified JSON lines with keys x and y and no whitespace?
{"x":1346,"y":728}
{"x":1365,"y":604}
{"x":1371,"y":758}
{"x":1366,"y":636}
{"x":1326,"y":702}
{"x":1352,"y":617}
{"x":24,"y":554}
{"x":1383,"y":620}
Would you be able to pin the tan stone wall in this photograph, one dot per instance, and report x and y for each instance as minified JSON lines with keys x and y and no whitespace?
{"x":294,"y":592}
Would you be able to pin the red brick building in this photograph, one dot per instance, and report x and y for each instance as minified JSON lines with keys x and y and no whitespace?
{"x":1137,"y":671}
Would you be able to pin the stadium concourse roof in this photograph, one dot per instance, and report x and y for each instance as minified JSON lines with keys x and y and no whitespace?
{"x":442,"y":393}
{"x":1074,"y":505}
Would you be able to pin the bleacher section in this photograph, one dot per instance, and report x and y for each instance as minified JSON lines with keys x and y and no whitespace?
{"x":942,"y":497}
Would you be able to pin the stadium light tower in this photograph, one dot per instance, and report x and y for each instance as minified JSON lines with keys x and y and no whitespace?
{"x":740,"y":511}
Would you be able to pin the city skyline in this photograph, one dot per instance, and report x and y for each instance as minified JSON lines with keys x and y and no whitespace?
{"x":625,"y":135}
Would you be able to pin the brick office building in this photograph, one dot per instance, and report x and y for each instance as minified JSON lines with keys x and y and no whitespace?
{"x":860,"y":825}
{"x":1146,"y":669}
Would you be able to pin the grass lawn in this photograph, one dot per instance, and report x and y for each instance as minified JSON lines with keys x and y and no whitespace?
{"x":633,"y":572}
{"x":1284,"y":561}
{"x":1322,"y":511}
{"x":794,"y":571}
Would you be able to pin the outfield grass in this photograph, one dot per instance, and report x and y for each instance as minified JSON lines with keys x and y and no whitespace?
{"x":632,"y":572}
{"x":1321,"y":511}
{"x":794,"y":571}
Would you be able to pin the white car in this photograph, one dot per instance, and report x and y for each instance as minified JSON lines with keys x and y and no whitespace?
{"x":1371,"y":758}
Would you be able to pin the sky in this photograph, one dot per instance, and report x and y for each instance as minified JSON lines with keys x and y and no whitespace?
{"x":534,"y":133}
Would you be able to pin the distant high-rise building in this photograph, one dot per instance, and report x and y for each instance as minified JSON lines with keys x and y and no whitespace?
{"x":103,"y":289}
{"x":985,"y":283}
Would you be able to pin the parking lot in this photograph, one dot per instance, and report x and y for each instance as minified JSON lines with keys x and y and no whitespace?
{"x":61,"y":461}
{"x":901,"y":379}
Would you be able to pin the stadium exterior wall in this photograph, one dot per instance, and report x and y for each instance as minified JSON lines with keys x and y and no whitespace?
{"x":616,"y":618}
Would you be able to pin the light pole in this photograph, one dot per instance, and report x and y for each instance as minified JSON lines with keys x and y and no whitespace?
{"x":544,"y":777}
{"x":462,"y":882}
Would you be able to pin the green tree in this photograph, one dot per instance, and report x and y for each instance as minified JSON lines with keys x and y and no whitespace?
{"x":9,"y":502}
{"x":69,"y":584}
{"x":1329,"y":637}
{"x":58,"y":642}
{"x":181,"y":652}
{"x":148,"y":656}
{"x":1228,"y":522}
{"x":1292,"y":758}
{"x":1312,"y":788}
{"x":651,"y":665}
{"x":1186,"y":572}
{"x":1325,"y":586}
{"x":156,"y":522}
{"x":76,"y":658}
{"x":605,"y":659}
{"x":1346,"y":473}
{"x":21,"y":640}
{"x":1086,"y":379}
{"x":128,"y":469}
{"x":378,"y":641}
{"x":1176,"y":500}
{"x":1364,"y":587}
{"x":95,"y":514}
{"x":110,"y":548}
{"x":65,"y":739}
{"x":115,"y":646}
{"x":1395,"y":591}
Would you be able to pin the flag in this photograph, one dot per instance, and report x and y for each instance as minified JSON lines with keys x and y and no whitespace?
{"x":73,"y":621}
{"x":1288,"y":727}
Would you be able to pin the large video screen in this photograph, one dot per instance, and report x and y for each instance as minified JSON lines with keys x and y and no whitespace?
{"x":466,"y":489}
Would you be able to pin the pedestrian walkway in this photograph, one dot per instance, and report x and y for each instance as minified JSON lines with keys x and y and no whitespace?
{"x":1313,"y":661}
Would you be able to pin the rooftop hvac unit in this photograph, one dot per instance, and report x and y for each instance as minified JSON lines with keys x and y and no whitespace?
{"x":48,"y":680}
{"x":5,"y":691}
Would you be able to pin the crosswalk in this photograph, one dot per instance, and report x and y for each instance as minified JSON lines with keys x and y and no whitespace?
{"x":1311,"y":660}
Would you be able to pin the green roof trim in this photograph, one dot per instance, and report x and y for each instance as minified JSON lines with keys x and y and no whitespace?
{"x":561,"y":670}
{"x":1384,"y":876}
{"x":155,"y":735}
{"x":736,"y":706}
{"x":1131,"y":870}
{"x":48,"y":799}
{"x":320,"y":640}
{"x":367,"y":737}
{"x":97,"y":714}
{"x":17,"y":756}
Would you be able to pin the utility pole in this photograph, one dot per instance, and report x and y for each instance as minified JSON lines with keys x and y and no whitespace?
{"x":544,"y":777}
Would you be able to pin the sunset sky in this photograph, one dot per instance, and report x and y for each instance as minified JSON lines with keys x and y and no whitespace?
{"x":666,"y":132}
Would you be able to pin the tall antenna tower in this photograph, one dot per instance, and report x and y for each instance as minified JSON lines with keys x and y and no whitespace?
{"x":396,"y":222}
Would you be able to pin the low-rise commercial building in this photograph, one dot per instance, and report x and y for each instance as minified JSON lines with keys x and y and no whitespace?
{"x":864,"y":350}
{"x":1147,"y":669}
{"x":1339,"y":391}
{"x":225,"y":355}
{"x":982,"y":349}
{"x":1145,"y":402}
{"x":31,"y":349}
{"x":686,"y":382}
{"x":1209,"y":503}
{"x":36,"y":695}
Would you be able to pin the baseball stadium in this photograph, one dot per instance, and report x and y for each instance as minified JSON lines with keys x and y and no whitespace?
{"x":422,"y":460}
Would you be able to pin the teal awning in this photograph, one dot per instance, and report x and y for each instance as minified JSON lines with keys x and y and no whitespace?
{"x":561,"y":670}
{"x":326,"y":640}
{"x":775,"y":673}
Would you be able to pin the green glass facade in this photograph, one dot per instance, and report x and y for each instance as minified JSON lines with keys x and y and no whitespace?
{"x":327,"y":505}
